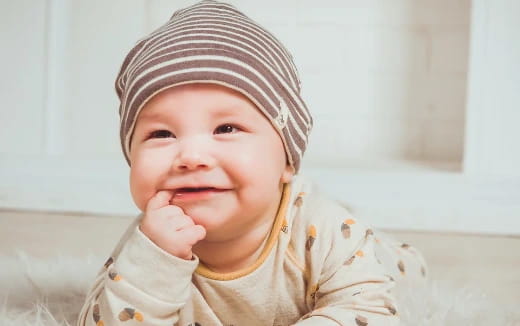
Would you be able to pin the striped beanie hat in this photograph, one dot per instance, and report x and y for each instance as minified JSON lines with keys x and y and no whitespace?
{"x":213,"y":42}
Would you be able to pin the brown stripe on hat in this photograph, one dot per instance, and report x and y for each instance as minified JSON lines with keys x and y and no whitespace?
{"x":217,"y":27}
{"x":153,"y":39}
{"x":251,"y":31}
{"x":213,"y":42}
{"x":170,"y":50}
{"x":245,"y":25}
{"x":198,"y":60}
{"x":207,"y":32}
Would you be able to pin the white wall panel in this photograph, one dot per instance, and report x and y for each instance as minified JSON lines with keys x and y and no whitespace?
{"x":22,"y":83}
{"x":100,"y":33}
{"x":449,"y":48}
{"x":493,"y":136}
{"x":402,"y":49}
{"x":55,"y":124}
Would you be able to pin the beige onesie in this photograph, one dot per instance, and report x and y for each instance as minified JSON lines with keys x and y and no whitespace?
{"x":319,"y":266}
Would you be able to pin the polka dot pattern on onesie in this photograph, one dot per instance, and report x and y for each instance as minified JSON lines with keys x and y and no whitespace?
{"x":390,"y":308}
{"x":109,"y":262}
{"x":299,"y":199}
{"x":349,"y":261}
{"x":97,"y":316}
{"x":130,"y":314}
{"x":361,"y":320}
{"x":311,"y":237}
{"x":345,"y":227}
{"x":114,"y":276}
{"x":400,"y":266}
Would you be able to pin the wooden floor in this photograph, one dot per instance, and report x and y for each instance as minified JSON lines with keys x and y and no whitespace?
{"x":490,"y":263}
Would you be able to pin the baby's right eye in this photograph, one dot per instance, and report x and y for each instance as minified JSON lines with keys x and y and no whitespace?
{"x":160,"y":134}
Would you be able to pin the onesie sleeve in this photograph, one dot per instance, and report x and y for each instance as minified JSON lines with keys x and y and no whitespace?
{"x":347,"y":284}
{"x":139,"y":284}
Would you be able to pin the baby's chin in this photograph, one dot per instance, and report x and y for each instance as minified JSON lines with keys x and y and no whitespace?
{"x":205,"y":215}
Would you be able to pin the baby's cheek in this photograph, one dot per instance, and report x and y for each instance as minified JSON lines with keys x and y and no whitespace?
{"x":137,"y":197}
{"x":139,"y":188}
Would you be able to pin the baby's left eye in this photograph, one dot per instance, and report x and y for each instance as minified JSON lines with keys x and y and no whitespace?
{"x":226,"y":129}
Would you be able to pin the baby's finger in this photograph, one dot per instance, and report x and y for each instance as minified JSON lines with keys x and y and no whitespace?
{"x":181,"y":222}
{"x":192,"y":234}
{"x":171,"y":210}
{"x":159,"y":200}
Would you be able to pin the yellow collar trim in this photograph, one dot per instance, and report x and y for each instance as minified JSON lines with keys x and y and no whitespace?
{"x":273,"y":237}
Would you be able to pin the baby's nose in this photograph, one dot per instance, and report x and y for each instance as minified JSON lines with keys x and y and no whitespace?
{"x":193,"y":155}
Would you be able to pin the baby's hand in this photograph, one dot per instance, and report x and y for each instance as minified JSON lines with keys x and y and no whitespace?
{"x":169,"y":228}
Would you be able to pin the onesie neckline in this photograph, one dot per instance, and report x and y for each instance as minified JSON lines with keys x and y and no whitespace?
{"x":204,"y":271}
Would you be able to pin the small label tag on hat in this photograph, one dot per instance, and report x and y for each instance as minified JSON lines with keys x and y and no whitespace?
{"x":281,"y":119}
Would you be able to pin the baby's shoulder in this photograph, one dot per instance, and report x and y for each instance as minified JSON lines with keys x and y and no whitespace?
{"x":320,"y":220}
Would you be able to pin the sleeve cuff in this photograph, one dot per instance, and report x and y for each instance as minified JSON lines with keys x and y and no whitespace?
{"x":151,"y":269}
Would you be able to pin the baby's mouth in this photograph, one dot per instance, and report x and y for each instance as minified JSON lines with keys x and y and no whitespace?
{"x":195,"y":193}
{"x":195,"y":190}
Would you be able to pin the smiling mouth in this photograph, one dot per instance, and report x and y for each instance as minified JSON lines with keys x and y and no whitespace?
{"x":196,"y":189}
{"x":195,"y":193}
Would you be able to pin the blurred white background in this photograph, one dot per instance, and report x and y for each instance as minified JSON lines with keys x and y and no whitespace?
{"x":416,"y":104}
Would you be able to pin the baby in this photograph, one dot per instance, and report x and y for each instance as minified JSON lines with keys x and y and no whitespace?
{"x":214,"y":130}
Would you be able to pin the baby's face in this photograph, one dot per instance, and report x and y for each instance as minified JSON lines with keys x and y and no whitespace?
{"x":216,"y":151}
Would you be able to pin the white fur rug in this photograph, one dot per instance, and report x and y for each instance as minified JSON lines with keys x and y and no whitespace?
{"x":51,"y":292}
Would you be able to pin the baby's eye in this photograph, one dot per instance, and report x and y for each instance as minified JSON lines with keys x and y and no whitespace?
{"x":226,"y":129}
{"x":160,"y":134}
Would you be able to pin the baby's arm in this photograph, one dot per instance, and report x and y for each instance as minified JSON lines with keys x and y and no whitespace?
{"x":348,"y":284}
{"x":148,"y":276}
